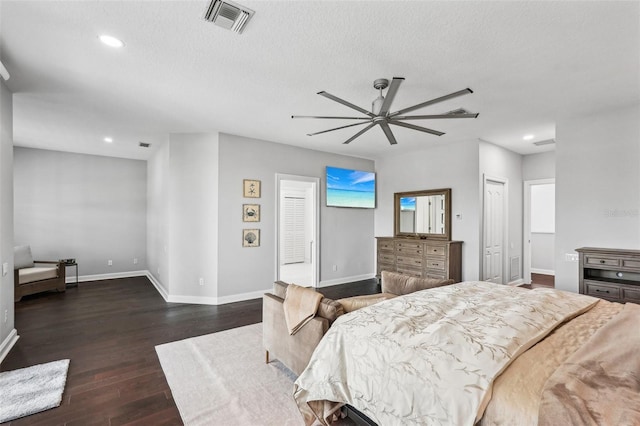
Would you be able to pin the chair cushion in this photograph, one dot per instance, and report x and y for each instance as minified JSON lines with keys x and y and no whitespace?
{"x":354,"y":303}
{"x":22,"y":257}
{"x":37,"y":273}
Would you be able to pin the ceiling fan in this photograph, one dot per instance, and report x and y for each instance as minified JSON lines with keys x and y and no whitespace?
{"x":380,"y":115}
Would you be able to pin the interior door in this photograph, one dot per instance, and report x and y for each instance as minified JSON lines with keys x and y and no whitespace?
{"x":493,"y":231}
{"x":297,"y":228}
{"x":294,"y":230}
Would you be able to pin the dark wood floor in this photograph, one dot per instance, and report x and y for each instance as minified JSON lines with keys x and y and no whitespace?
{"x":109,"y":330}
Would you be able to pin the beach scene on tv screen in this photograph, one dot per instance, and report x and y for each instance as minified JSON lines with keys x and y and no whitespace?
{"x":350,"y":188}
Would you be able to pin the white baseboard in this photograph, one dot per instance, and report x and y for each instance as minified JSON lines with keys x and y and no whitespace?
{"x":517,"y":282}
{"x":158,"y":285}
{"x":208,"y":300}
{"x":8,"y":343}
{"x":100,"y":277}
{"x":543,"y":271}
{"x":242,"y":296}
{"x":327,"y":283}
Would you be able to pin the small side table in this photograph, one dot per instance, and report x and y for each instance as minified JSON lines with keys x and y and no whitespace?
{"x":66,"y":263}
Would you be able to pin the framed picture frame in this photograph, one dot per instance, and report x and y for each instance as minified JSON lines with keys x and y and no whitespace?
{"x":251,"y":212}
{"x":251,"y":188}
{"x":250,"y":238}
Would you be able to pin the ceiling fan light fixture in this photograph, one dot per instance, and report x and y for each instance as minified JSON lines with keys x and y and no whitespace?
{"x":376,"y":105}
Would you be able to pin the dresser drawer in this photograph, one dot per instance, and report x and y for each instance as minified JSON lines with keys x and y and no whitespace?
{"x":631,"y":294}
{"x":436,"y":275}
{"x":385,"y":267}
{"x":601,"y":261}
{"x":594,"y":288}
{"x":435,"y":251}
{"x":384,"y":257}
{"x":386,"y":245}
{"x":410,"y":261}
{"x":435,"y":263}
{"x":409,"y":251}
{"x":631,"y":263}
{"x":409,"y":270}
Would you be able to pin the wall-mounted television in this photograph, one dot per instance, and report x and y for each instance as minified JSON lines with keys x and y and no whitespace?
{"x":350,"y":188}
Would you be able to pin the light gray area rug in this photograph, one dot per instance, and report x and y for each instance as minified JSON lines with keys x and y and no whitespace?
{"x":222,"y":379}
{"x":32,"y":390}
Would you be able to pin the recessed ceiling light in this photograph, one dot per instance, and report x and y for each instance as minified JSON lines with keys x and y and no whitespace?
{"x":528,"y":137}
{"x":108,"y":140}
{"x":111,"y":41}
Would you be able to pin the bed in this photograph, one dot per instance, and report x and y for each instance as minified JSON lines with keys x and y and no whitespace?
{"x":479,"y":353}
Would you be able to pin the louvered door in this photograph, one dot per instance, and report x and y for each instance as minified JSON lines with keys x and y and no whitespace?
{"x":294,"y":244}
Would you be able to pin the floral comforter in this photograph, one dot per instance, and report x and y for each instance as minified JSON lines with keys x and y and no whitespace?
{"x":429,"y":357}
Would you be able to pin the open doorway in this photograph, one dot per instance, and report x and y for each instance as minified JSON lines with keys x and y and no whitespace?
{"x":297,"y":229}
{"x":539,"y":232}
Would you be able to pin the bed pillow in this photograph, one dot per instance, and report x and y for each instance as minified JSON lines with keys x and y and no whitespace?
{"x":22,"y":257}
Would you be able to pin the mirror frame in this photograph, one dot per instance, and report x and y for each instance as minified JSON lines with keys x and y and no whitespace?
{"x":447,"y":216}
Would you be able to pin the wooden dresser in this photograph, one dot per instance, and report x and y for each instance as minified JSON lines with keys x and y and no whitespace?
{"x":611,"y":274}
{"x":420,"y":258}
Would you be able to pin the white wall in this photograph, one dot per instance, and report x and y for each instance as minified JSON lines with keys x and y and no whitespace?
{"x":498,"y":162}
{"x":346,"y":235}
{"x":452,"y":166}
{"x":158,"y":203}
{"x":193,"y":215}
{"x":87,"y":207}
{"x":539,"y":166}
{"x":597,"y":186}
{"x":6,"y":217}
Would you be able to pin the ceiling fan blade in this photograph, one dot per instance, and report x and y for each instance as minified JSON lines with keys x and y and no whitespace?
{"x":391,"y":93}
{"x":359,"y":133}
{"x":338,"y":128}
{"x":345,"y":103}
{"x":387,"y":131}
{"x":420,"y":129}
{"x":331,"y":118}
{"x":433,"y":101}
{"x":428,"y":117}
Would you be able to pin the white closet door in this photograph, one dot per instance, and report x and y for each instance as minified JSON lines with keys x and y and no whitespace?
{"x":294,"y":209}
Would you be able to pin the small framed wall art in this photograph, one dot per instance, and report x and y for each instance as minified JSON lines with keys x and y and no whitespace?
{"x":250,"y":238}
{"x":251,"y":188}
{"x":251,"y":212}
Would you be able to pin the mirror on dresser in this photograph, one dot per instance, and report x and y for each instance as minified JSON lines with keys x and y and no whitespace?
{"x":423,"y":214}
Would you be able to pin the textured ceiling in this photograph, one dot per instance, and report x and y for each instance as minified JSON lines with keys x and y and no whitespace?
{"x":529,"y":64}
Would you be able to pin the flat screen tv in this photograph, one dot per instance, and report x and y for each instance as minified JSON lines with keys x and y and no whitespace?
{"x":350,"y":188}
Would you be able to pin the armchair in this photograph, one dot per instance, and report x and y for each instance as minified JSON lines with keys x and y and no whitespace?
{"x":35,"y":276}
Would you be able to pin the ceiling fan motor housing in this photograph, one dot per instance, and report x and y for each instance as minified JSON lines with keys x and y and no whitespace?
{"x":381,"y":83}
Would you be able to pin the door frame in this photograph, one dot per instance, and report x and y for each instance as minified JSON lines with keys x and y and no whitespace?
{"x":505,"y":225}
{"x":315,"y":246}
{"x":526,"y":225}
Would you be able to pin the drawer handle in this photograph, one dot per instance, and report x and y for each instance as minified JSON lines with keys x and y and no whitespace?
{"x":417,"y":261}
{"x":602,"y":291}
{"x":601,"y":261}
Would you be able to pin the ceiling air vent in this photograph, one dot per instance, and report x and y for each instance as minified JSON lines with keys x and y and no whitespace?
{"x":144,"y":145}
{"x":545,"y":142}
{"x":228,"y":15}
